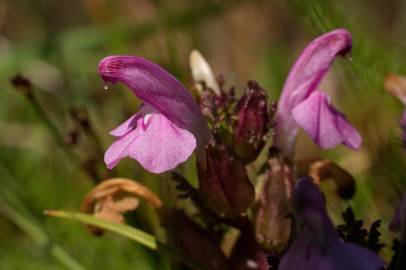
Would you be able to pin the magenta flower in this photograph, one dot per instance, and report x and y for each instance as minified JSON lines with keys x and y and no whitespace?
{"x":318,"y":246}
{"x":169,"y":125}
{"x":302,"y":105}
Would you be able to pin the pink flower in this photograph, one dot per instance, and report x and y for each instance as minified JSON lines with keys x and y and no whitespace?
{"x":168,"y":126}
{"x":301,"y":105}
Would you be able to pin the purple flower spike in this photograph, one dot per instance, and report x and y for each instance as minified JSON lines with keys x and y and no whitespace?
{"x":168,"y":127}
{"x":324,"y":124}
{"x":303,"y":80}
{"x":317,"y":246}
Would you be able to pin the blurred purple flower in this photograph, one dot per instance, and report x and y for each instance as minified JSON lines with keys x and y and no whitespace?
{"x":317,"y":246}
{"x":169,"y":125}
{"x":301,"y":105}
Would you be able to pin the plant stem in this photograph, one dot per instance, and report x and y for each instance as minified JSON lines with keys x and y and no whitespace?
{"x":48,"y":123}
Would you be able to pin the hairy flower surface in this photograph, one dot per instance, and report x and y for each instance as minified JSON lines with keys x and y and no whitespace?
{"x":169,"y":125}
{"x":318,"y":246}
{"x":301,"y":105}
{"x":252,"y":122}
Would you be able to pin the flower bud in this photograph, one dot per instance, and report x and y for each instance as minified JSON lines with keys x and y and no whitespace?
{"x":224,"y":184}
{"x":202,"y":73}
{"x":217,"y":107}
{"x":275,"y":203}
{"x":252,"y":122}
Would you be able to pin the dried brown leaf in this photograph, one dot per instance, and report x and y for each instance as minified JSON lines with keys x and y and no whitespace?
{"x":326,"y":169}
{"x":112,"y":198}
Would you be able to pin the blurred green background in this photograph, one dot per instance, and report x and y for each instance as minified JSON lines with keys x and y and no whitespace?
{"x":58,"y":44}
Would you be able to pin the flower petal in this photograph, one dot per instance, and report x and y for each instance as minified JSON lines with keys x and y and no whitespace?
{"x":131,"y":123}
{"x":126,"y":127}
{"x":307,"y":255}
{"x":324,"y":124}
{"x":162,"y":145}
{"x":351,"y":256}
{"x":304,"y":77}
{"x":158,"y":88}
{"x":118,"y":150}
{"x":156,"y":143}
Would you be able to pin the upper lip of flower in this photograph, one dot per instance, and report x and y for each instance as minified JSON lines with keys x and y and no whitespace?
{"x":176,"y":114}
{"x":107,"y":69}
{"x":303,"y":80}
{"x":158,"y":88}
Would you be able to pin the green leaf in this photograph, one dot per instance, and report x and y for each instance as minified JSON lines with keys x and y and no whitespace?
{"x":132,"y":233}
